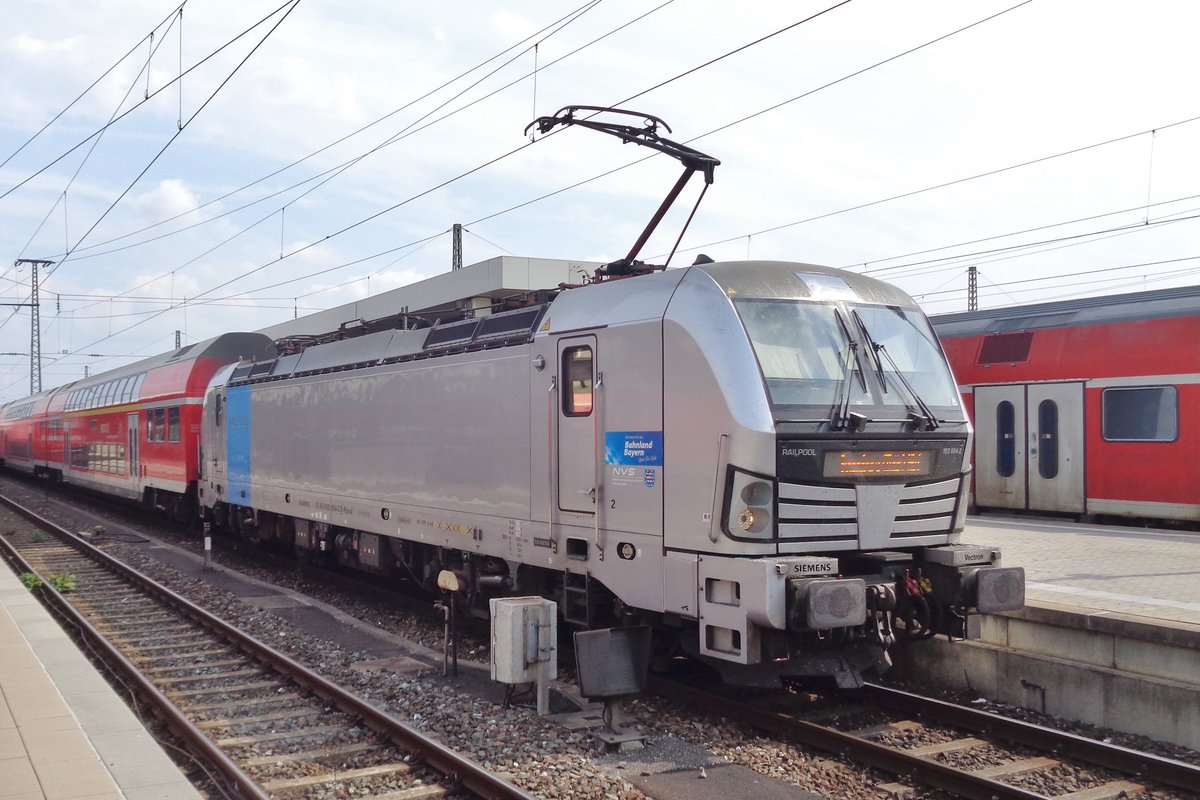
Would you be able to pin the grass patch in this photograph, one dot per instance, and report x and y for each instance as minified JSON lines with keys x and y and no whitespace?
{"x":63,"y":583}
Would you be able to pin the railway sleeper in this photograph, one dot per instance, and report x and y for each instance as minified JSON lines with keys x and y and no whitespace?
{"x":317,"y":755}
{"x":239,"y":722}
{"x":278,"y":736}
{"x":341,"y":776}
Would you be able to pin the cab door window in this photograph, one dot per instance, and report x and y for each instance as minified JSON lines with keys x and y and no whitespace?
{"x":577,"y":371}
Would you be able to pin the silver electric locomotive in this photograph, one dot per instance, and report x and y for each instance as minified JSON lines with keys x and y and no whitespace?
{"x":766,"y":461}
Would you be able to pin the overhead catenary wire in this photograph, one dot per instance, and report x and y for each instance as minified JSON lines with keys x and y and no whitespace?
{"x":333,"y":172}
{"x":138,"y":105}
{"x":1011,"y":251}
{"x":561,"y":22}
{"x":103,"y":75}
{"x":66,"y":256}
{"x":677,"y":77}
{"x":747,"y":118}
{"x":1081,"y":288}
{"x":293,"y":4}
{"x":468,"y":223}
{"x":179,"y":131}
{"x":944,"y":184}
{"x":1035,"y":229}
{"x":447,"y":182}
{"x":62,"y":197}
{"x":743,"y":47}
{"x":690,"y":71}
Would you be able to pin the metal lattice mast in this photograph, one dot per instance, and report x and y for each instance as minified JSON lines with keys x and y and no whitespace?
{"x":972,"y":288}
{"x":456,"y":248}
{"x":35,"y":335}
{"x":35,"y":325}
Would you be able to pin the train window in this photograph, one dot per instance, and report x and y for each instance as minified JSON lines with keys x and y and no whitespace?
{"x":577,"y":381}
{"x":173,"y":424}
{"x":1048,"y":439}
{"x":1147,"y":414}
{"x":156,"y":425}
{"x":1006,"y":439}
{"x":137,"y":386}
{"x":1005,"y":348}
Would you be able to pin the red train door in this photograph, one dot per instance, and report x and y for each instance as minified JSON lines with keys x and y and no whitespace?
{"x":134,"y":439}
{"x":1029,"y":447}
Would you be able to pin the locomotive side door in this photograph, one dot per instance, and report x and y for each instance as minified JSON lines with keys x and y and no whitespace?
{"x":1000,"y":463}
{"x":578,"y":425}
{"x":1055,"y":443}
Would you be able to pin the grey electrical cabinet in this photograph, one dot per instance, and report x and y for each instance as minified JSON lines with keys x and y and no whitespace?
{"x":524,"y":635}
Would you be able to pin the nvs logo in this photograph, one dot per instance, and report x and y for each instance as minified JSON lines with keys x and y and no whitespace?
{"x":625,"y":472}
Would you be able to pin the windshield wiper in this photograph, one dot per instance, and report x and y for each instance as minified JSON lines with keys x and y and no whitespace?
{"x":840,"y":417}
{"x":926,"y":414}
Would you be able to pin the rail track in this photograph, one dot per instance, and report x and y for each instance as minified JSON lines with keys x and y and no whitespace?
{"x":268,"y":726}
{"x":976,"y":754}
{"x":960,"y":751}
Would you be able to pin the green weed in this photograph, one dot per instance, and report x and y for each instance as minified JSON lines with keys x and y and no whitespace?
{"x":63,"y":583}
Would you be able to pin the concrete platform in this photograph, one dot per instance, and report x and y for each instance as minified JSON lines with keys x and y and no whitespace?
{"x":1110,"y":634}
{"x":64,"y":732}
{"x":1140,"y":572}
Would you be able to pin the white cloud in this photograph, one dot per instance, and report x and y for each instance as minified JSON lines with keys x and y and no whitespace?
{"x":168,"y":199}
{"x":1042,"y":79}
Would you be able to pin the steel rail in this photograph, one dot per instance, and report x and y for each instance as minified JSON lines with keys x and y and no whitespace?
{"x":242,"y":784}
{"x":468,"y":774}
{"x":1069,"y":745}
{"x":859,"y":750}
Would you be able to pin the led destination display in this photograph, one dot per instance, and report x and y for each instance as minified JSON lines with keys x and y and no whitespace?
{"x":917,"y":463}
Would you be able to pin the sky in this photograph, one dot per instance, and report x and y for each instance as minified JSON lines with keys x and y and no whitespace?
{"x":317,"y":152}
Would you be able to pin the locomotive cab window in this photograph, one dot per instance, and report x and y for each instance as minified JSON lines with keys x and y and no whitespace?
{"x":577,"y":372}
{"x":1145,"y":414}
{"x":173,"y":424}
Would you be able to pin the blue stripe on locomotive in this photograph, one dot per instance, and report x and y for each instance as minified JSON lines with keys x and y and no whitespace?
{"x":237,"y":444}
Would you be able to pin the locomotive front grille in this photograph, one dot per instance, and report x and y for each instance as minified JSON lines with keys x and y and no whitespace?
{"x":880,"y":513}
{"x":811,"y":512}
{"x":926,"y":508}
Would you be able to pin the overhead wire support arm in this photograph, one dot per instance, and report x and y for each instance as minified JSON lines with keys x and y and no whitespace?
{"x":647,"y":135}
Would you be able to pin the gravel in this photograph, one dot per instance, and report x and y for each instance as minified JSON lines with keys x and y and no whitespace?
{"x":542,"y":757}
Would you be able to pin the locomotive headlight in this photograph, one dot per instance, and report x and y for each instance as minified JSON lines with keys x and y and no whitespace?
{"x":752,"y":520}
{"x":749,"y":505}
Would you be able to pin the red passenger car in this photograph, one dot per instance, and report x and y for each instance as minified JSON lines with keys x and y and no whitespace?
{"x":1085,"y":406}
{"x":132,"y":432}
